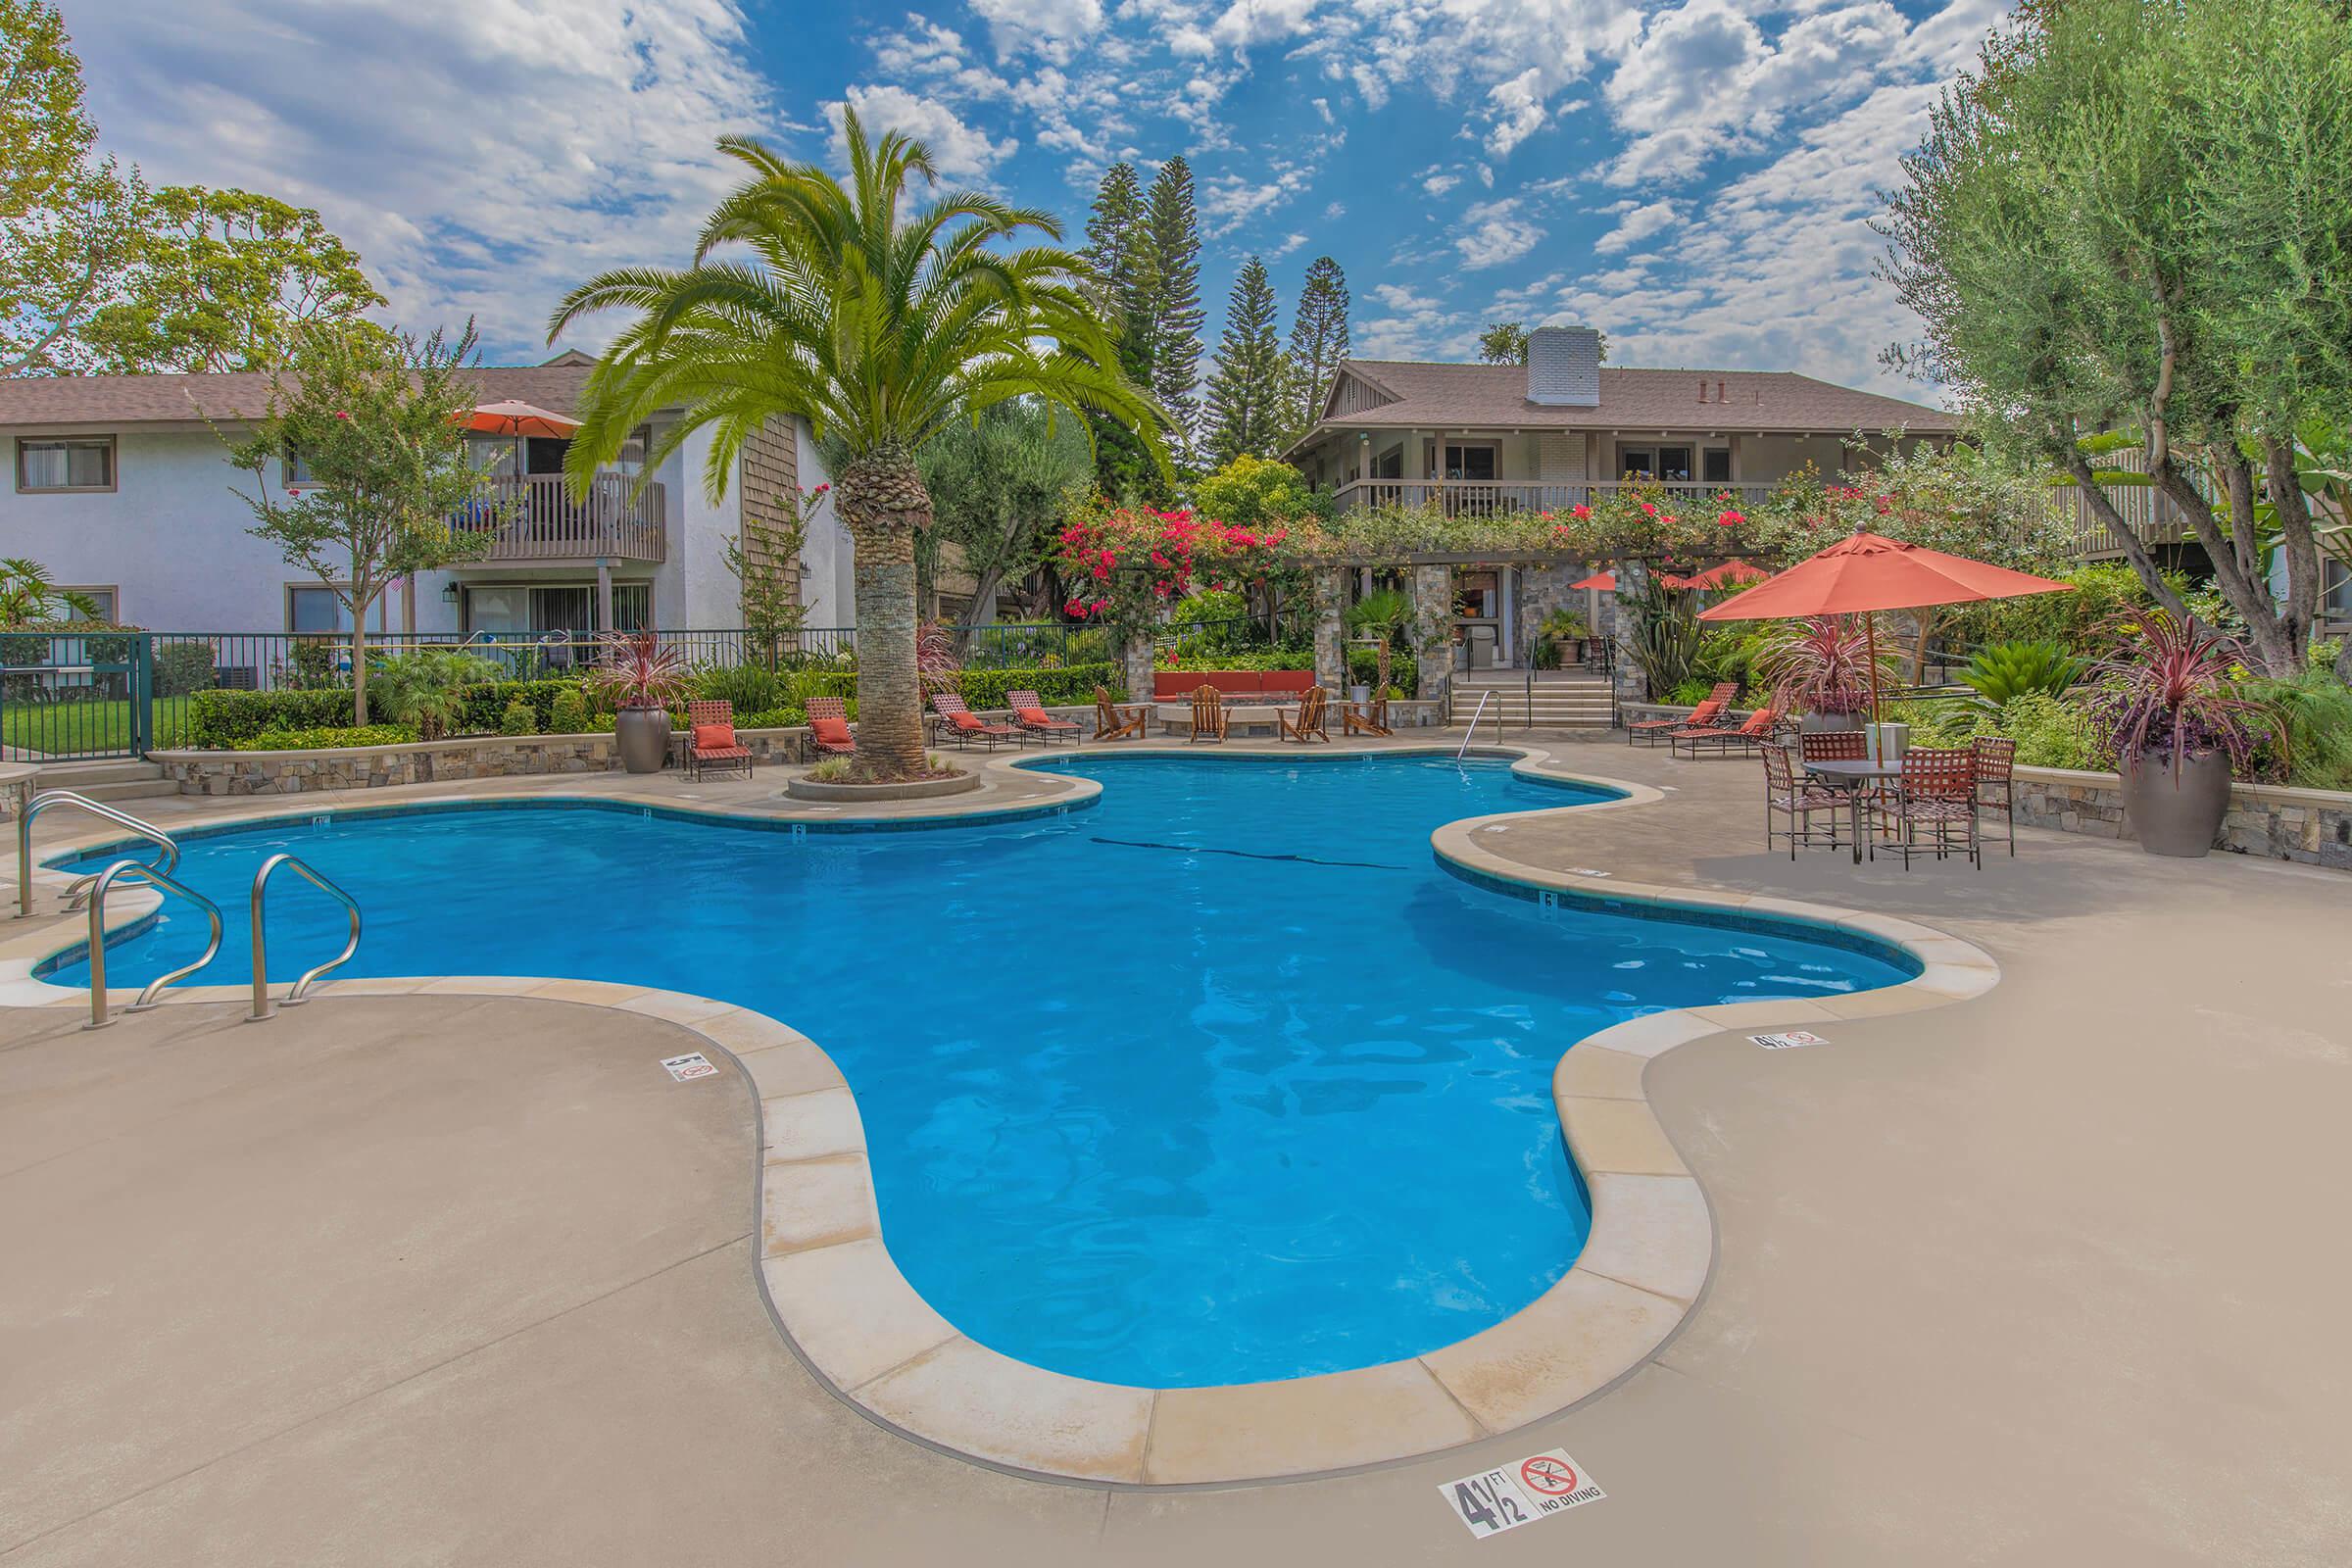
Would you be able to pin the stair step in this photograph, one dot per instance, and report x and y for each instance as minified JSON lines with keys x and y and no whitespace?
{"x":82,"y":775}
{"x":130,"y":788}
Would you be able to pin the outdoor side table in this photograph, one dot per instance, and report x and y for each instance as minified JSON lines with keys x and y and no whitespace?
{"x":1854,"y":777}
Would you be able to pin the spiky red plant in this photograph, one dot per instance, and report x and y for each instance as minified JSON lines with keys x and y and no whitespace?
{"x":2173,"y":689}
{"x":636,"y":670}
{"x":1822,"y":665}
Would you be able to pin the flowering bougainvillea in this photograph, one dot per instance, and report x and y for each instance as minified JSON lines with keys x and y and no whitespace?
{"x":1126,"y":565}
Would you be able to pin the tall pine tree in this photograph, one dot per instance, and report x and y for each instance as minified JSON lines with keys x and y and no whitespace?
{"x":1248,"y":386}
{"x":1119,"y":245}
{"x":1172,"y":229}
{"x":1318,"y":339}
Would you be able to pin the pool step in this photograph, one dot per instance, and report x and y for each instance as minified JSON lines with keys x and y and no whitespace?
{"x":107,"y":781}
{"x":1554,"y":702}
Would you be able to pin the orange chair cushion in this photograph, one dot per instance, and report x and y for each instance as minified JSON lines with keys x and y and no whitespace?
{"x":1035,"y":716}
{"x":1759,"y":722}
{"x":965,"y":720}
{"x":713,"y":737}
{"x":1705,"y":711}
{"x":832,"y":731}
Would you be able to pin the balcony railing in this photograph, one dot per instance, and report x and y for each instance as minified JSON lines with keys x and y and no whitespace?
{"x":537,"y":518}
{"x":1486,"y":498}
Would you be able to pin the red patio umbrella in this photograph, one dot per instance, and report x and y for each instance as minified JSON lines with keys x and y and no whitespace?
{"x":1722,"y":576}
{"x":1869,"y":572}
{"x":1605,"y":581}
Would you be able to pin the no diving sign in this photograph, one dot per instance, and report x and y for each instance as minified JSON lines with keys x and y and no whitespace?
{"x":1496,"y":1500}
{"x":692,"y":1064}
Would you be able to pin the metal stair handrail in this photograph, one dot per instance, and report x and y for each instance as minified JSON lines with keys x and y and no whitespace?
{"x":262,"y":1006}
{"x":102,"y":884}
{"x":81,"y":888}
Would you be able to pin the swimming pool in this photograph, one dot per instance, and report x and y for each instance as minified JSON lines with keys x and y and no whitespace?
{"x":1220,"y":1080}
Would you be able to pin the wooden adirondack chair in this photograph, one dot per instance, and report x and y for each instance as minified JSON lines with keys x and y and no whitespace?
{"x":1366,"y":718}
{"x":1309,"y":724}
{"x":1208,"y":714}
{"x":1113,"y":723}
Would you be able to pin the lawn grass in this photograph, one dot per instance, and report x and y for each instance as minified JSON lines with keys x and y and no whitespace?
{"x":83,"y":729}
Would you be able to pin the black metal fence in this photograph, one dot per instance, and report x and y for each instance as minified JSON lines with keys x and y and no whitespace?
{"x":81,"y":695}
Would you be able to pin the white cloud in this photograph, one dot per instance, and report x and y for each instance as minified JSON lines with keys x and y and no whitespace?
{"x":1054,"y":28}
{"x":1282,"y":247}
{"x":1247,"y":23}
{"x":481,"y":160}
{"x":1515,"y":111}
{"x":1637,"y":225}
{"x":957,"y":149}
{"x":1495,"y":233}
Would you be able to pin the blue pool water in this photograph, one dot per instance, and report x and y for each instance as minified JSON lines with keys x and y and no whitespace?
{"x":1219,"y":1080}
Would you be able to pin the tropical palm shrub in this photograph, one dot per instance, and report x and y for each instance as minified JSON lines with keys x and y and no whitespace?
{"x":879,"y":317}
{"x":422,"y":688}
{"x":1824,"y":665}
{"x":28,"y":595}
{"x":2311,"y":742}
{"x":2003,"y":672}
{"x":1386,"y":617}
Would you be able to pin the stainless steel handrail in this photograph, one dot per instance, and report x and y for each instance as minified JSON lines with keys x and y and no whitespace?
{"x":1482,"y":698}
{"x":100,"y":886}
{"x":262,"y":1006}
{"x":81,"y":886}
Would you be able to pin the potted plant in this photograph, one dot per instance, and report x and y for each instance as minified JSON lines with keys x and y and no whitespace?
{"x":1384,"y":616}
{"x":2168,"y":710}
{"x":642,"y":678}
{"x":1565,"y":632}
{"x":1822,"y":668}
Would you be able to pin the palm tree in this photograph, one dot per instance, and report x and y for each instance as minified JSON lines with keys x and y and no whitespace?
{"x":1386,"y":615}
{"x":28,"y":595}
{"x":879,"y":329}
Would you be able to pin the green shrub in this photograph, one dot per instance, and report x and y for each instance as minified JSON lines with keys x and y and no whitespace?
{"x":1242,"y":659}
{"x":320,"y":738}
{"x":748,"y":687}
{"x":2049,"y":731}
{"x":567,"y":714}
{"x":1072,"y":683}
{"x":2003,"y":672}
{"x":181,"y":668}
{"x":225,"y":719}
{"x":519,"y":719}
{"x":1691,"y":693}
{"x":481,"y":709}
{"x":2311,"y":746}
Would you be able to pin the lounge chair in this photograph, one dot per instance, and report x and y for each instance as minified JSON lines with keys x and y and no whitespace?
{"x":965,"y":727}
{"x":1937,"y":791}
{"x":1029,"y":712}
{"x":1755,"y":731}
{"x":710,"y":740}
{"x":1113,"y":723}
{"x":1708,"y":713}
{"x":1208,"y":714}
{"x":1308,"y":725}
{"x":829,"y":727}
{"x":1366,"y":718}
{"x":1788,"y":794}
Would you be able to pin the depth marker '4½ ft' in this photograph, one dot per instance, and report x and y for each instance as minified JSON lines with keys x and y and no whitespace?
{"x":1542,"y":1483}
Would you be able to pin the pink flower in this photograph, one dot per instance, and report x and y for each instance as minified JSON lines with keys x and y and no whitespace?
{"x":290,"y":490}
{"x":1650,"y":506}
{"x":1730,"y":519}
{"x":1580,"y":513}
{"x":340,"y":414}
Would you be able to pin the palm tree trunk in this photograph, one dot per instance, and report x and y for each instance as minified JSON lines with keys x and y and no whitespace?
{"x":882,"y":502}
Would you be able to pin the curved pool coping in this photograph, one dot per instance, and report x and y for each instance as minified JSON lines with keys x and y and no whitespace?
{"x":842,"y":1305}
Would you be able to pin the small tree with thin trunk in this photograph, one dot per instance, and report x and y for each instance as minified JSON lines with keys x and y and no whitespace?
{"x":373,"y":419}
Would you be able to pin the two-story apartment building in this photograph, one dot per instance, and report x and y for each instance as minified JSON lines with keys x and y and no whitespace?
{"x":1476,"y":439}
{"x":121,"y":486}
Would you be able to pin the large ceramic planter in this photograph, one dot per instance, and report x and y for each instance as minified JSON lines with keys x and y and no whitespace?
{"x":1818,"y":723}
{"x":2176,"y":816}
{"x":642,"y":736}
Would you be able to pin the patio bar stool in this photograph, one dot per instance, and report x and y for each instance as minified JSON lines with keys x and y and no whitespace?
{"x":1997,"y":779}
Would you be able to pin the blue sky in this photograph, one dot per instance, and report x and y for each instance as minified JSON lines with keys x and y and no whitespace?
{"x":1691,"y":177}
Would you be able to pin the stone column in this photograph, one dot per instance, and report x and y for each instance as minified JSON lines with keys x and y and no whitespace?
{"x":1433,"y":608}
{"x":1135,"y":656}
{"x":1632,"y":577}
{"x":1330,"y":657}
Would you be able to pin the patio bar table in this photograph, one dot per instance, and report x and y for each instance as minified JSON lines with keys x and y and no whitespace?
{"x":1853,"y":777}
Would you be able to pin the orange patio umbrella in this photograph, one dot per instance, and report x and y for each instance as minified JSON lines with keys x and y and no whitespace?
{"x":1869,"y":572}
{"x":1605,"y":581}
{"x":514,"y":419}
{"x":1722,"y":576}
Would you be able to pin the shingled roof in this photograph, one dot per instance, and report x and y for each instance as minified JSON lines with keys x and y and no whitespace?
{"x":106,"y":402}
{"x":1430,"y":396}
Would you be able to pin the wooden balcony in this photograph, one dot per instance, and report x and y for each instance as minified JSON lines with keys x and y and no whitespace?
{"x":1486,"y":498}
{"x":537,"y":518}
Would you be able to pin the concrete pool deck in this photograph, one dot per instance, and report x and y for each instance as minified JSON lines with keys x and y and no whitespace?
{"x":2046,"y":1275}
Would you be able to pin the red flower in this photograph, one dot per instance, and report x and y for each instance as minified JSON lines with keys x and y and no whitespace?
{"x":1730,"y":519}
{"x":1650,"y":506}
{"x":1579,"y":512}
{"x":340,"y":414}
{"x":819,"y":490}
{"x":1074,"y":607}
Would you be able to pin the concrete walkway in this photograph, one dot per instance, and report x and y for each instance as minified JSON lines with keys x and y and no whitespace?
{"x":2052,"y":1276}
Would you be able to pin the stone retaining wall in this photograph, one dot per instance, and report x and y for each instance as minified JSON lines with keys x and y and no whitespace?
{"x":358,"y":767}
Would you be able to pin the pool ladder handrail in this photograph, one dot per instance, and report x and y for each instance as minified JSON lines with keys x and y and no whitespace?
{"x":102,"y":884}
{"x":80,"y":890}
{"x":294,"y":996}
{"x":1482,"y":698}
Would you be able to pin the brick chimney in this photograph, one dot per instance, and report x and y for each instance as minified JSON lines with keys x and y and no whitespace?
{"x":1563,"y":367}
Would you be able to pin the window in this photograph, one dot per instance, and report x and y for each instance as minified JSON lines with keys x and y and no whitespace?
{"x":1469,"y":463}
{"x":313,"y":608}
{"x":106,"y":599}
{"x":64,"y":464}
{"x":1476,"y":595}
{"x":1671,"y":465}
{"x":1718,"y":466}
{"x":298,"y":469}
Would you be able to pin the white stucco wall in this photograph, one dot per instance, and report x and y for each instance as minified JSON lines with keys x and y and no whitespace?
{"x":827,"y":587}
{"x":172,"y":539}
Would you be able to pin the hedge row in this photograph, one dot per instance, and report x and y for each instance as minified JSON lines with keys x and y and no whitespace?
{"x":227,"y":719}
